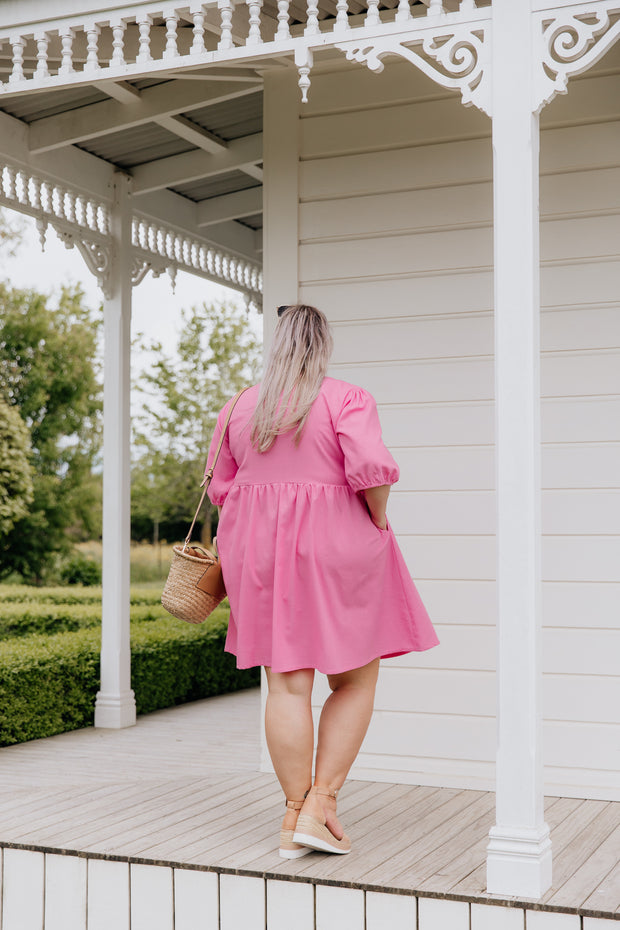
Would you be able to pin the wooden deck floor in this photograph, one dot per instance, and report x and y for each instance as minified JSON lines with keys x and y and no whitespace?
{"x":183,"y":787}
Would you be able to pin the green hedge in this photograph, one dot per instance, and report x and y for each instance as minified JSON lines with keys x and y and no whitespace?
{"x":23,"y":593}
{"x":48,"y":684}
{"x":32,"y":617}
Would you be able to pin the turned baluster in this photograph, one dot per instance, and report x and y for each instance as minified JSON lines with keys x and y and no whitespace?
{"x":10,"y":173}
{"x":467,"y":6}
{"x":312,"y":24}
{"x":17,"y":72}
{"x":118,"y":43}
{"x":404,"y":11}
{"x":435,"y":8}
{"x":66,"y":63}
{"x":42,"y":41}
{"x":198,"y":45}
{"x":70,"y":206}
{"x":171,"y":50}
{"x":21,"y":187}
{"x":144,"y":38}
{"x":226,"y":11}
{"x":34,"y":188}
{"x":342,"y":19}
{"x":59,"y":206}
{"x":372,"y":14}
{"x":283,"y":30}
{"x":254,"y":36}
{"x":92,"y":42}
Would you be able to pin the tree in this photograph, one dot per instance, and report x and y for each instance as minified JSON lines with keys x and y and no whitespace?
{"x":216,"y":355}
{"x":16,"y":491}
{"x":48,"y":371}
{"x":11,"y":231}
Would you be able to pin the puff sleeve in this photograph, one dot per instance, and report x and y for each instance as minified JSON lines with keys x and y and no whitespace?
{"x":226,"y":467}
{"x":367,"y":462}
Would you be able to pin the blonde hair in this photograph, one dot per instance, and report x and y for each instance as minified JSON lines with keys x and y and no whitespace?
{"x":295,"y":369}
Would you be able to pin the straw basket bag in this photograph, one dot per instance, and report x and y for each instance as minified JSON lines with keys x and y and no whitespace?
{"x":195,"y":585}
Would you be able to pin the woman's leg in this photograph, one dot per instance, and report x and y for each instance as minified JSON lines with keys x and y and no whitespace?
{"x":344,"y":721}
{"x":290,"y":732}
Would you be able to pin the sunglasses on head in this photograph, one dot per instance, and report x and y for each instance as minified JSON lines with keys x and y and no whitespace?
{"x":282,"y":309}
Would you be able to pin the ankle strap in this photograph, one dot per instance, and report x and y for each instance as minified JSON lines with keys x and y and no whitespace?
{"x":297,"y":805}
{"x":326,"y":792}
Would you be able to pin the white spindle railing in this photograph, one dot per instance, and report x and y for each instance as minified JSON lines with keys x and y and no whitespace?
{"x":226,"y":11}
{"x":91,"y":65}
{"x":42,"y":42}
{"x":254,"y":8}
{"x":283,"y":28}
{"x":165,"y":36}
{"x":144,"y":39}
{"x":171,"y":50}
{"x":198,"y":45}
{"x":118,"y":45}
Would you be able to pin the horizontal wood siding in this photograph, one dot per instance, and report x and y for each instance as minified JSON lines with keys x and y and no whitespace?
{"x":396,"y":245}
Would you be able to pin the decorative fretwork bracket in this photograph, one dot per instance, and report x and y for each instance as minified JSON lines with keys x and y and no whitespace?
{"x":570,"y":42}
{"x":456,"y":57}
{"x":96,"y":254}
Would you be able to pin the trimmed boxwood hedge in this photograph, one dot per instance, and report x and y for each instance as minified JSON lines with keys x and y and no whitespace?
{"x":48,"y":684}
{"x":74,"y":594}
{"x":32,"y":617}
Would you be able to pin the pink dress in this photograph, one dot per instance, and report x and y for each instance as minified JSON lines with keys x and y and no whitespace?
{"x":312,"y":582}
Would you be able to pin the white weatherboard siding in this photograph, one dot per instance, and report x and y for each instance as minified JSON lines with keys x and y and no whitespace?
{"x":395,"y":244}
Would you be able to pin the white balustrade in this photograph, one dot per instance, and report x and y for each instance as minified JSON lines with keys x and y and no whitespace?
{"x":283,"y":29}
{"x":226,"y":11}
{"x":198,"y":45}
{"x":372,"y":14}
{"x":254,"y":36}
{"x":342,"y":19}
{"x":42,"y":41}
{"x":66,"y":37}
{"x":403,"y":14}
{"x":92,"y":44}
{"x":118,"y":45}
{"x":435,"y":8}
{"x":144,"y":39}
{"x":17,"y":71}
{"x":171,"y":50}
{"x":312,"y":21}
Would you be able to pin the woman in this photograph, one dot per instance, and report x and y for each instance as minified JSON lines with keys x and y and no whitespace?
{"x":314,"y":576}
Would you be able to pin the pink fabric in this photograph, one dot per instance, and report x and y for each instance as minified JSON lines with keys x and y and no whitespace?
{"x":312,"y":582}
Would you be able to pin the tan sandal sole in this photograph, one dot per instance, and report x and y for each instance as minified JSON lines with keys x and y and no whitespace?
{"x":311,"y":832}
{"x":289,"y":849}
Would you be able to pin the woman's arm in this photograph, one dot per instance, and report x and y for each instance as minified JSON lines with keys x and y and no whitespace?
{"x":376,"y":499}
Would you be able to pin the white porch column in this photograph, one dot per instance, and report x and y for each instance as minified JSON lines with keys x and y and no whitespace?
{"x":519,"y":851}
{"x":116,"y":706}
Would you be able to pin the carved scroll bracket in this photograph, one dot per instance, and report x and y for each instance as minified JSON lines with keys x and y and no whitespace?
{"x":95,"y":253}
{"x":570,"y":42}
{"x":456,"y":57}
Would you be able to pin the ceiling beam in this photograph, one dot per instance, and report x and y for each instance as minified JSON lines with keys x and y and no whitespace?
{"x":193,"y":166}
{"x":230,"y":206}
{"x":118,"y":90}
{"x":192,"y":132}
{"x":111,"y":116}
{"x":72,"y":167}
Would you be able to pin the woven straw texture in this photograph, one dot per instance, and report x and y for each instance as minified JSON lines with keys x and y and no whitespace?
{"x":180,"y":596}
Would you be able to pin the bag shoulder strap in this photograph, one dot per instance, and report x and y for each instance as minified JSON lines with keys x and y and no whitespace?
{"x":206,"y":481}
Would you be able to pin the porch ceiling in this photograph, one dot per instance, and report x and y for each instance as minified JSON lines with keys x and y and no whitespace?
{"x":95,"y":119}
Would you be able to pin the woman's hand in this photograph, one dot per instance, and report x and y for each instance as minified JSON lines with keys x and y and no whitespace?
{"x":376,"y":500}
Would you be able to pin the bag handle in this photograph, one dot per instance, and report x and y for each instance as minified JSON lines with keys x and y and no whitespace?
{"x":206,"y":481}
